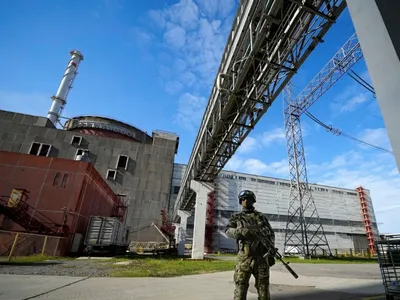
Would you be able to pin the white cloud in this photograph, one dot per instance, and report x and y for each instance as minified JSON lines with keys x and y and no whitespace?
{"x":268,"y":138}
{"x":257,"y":167}
{"x":141,"y":37}
{"x":185,"y":13}
{"x":273,"y":136}
{"x":157,"y":17}
{"x":194,"y":34}
{"x":248,"y":145}
{"x":377,"y":137}
{"x":254,"y":166}
{"x":372,"y":170}
{"x":173,"y":87}
{"x":350,"y":98}
{"x":190,"y":111}
{"x":354,"y":101}
{"x":175,"y":36}
{"x":220,"y":7}
{"x":188,"y":78}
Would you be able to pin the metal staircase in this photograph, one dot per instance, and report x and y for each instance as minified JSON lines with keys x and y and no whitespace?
{"x":16,"y":208}
{"x":8,"y":246}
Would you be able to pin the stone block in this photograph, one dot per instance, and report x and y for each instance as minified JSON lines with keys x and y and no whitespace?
{"x":28,"y":120}
{"x":18,"y":118}
{"x":5,"y":124}
{"x":9,"y":116}
{"x":19,"y":138}
{"x":15,"y":147}
{"x":6,"y":145}
{"x":51,"y":134}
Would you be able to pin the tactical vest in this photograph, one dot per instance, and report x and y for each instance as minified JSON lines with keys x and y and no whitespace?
{"x":252,"y":248}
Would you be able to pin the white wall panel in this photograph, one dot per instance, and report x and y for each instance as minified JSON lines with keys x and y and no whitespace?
{"x":339,"y":208}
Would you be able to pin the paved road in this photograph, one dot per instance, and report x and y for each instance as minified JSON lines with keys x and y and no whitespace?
{"x":361,"y":271}
{"x":196,"y":287}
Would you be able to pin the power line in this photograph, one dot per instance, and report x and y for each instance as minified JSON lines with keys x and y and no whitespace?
{"x":361,"y":81}
{"x":338,"y":132}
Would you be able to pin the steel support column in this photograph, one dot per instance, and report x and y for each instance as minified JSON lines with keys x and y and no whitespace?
{"x":377,"y":25}
{"x":199,"y":227}
{"x":180,"y":231}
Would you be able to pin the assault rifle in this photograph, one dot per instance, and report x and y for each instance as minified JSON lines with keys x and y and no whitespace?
{"x":263,"y":235}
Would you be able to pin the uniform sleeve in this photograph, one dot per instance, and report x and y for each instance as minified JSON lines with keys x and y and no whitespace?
{"x":230,"y":229}
{"x":269,"y":227}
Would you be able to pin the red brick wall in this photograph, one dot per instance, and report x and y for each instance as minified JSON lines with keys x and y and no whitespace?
{"x":83,"y":191}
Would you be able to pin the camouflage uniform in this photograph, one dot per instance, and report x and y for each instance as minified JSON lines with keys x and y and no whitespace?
{"x":250,"y":258}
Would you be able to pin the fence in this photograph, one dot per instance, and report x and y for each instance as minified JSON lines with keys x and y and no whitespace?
{"x":25,"y":244}
{"x":343,"y":252}
{"x":365,"y":253}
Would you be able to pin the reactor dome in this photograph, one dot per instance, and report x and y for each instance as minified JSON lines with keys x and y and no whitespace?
{"x":106,"y":127}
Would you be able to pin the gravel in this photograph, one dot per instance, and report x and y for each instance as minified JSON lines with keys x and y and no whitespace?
{"x":78,"y":268}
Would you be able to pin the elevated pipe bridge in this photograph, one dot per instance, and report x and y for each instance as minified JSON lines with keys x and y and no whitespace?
{"x":268,"y":42}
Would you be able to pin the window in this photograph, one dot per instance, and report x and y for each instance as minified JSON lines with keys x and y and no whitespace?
{"x":56,"y":179}
{"x":64,"y":181}
{"x":40,"y":149}
{"x":76,"y":140}
{"x":227,"y":176}
{"x":337,"y":192}
{"x":111,"y":174}
{"x":80,"y":152}
{"x":122,"y":161}
{"x":242,"y":178}
{"x":175,"y":189}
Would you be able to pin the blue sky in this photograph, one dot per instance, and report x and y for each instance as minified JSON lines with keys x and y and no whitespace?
{"x":152,"y":64}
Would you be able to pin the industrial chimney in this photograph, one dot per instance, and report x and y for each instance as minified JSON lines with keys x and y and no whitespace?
{"x":60,"y":99}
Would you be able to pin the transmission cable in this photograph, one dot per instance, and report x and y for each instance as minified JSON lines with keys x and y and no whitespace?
{"x":338,"y":132}
{"x":361,"y":81}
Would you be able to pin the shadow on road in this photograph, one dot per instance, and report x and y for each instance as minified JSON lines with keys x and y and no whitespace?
{"x":286,"y":292}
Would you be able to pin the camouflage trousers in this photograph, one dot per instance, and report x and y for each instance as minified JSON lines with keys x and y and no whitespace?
{"x":245,"y":267}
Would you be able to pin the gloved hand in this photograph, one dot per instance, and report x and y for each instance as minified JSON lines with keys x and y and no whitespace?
{"x":243,"y":233}
{"x":270,"y":260}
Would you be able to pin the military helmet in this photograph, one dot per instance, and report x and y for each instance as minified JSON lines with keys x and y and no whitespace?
{"x":246,"y":194}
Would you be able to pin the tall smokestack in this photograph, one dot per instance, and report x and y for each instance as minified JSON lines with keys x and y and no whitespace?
{"x":60,"y":99}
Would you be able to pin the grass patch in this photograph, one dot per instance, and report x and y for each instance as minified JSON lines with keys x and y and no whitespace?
{"x":333,"y":260}
{"x":153,"y":267}
{"x":325,"y":260}
{"x":33,"y":259}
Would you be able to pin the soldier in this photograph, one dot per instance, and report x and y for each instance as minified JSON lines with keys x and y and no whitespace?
{"x":250,"y":254}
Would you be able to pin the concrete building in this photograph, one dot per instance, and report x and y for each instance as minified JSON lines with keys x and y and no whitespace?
{"x":141,"y":169}
{"x":134,"y":164}
{"x":339,"y":209}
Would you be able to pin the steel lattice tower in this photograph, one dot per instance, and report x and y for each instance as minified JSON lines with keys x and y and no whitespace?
{"x":304,"y":230}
